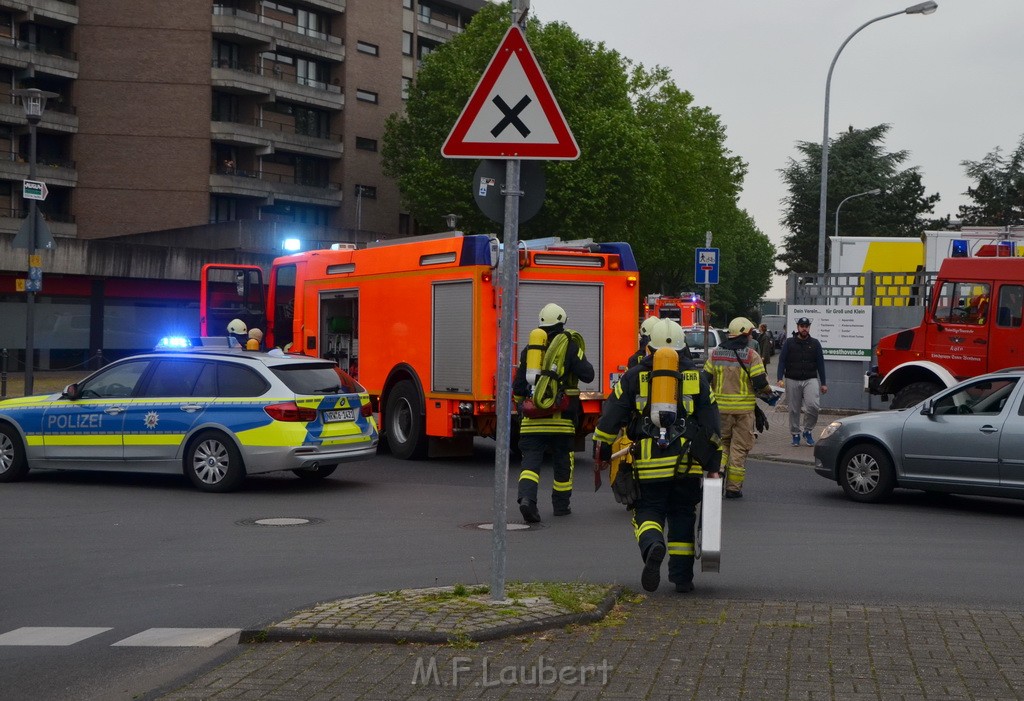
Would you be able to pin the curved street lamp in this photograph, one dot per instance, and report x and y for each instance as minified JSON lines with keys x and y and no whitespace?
{"x":922,"y":8}
{"x":876,"y":191}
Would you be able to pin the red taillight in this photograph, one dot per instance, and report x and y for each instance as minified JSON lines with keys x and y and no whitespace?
{"x":290,"y":411}
{"x":366,"y":410}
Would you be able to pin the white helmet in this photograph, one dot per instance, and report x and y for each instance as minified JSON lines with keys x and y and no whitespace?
{"x":237,"y":326}
{"x":552,"y":315}
{"x":667,"y":334}
{"x":740,"y":326}
{"x":647,"y":325}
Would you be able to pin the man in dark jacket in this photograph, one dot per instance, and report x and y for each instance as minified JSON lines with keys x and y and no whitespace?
{"x":802,"y":372}
{"x":552,"y":432}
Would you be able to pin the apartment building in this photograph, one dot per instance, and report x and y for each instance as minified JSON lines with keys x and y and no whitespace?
{"x":188,"y":114}
{"x":191,"y":132}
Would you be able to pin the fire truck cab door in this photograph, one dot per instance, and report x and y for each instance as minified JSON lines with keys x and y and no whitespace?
{"x":231,"y":292}
{"x":1006,"y":342}
{"x":958,"y":327}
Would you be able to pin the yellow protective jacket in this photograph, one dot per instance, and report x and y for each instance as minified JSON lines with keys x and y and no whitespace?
{"x":628,"y":406}
{"x":734,"y":390}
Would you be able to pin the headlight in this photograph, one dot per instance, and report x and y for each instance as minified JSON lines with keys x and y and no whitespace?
{"x":830,"y":429}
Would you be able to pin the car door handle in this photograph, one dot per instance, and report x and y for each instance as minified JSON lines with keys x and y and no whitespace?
{"x":113,"y":410}
{"x":988,"y":429}
{"x":981,"y":341}
{"x":191,"y":407}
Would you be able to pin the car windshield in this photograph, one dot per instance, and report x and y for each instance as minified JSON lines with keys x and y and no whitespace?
{"x":695,"y":340}
{"x":319,"y":378}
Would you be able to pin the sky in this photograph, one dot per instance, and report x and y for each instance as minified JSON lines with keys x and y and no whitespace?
{"x":948,"y":83}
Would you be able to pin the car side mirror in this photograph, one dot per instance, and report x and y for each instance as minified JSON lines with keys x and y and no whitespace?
{"x":70,"y":392}
{"x":928,"y":409}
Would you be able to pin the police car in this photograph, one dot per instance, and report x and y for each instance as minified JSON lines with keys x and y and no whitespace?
{"x":214,"y":414}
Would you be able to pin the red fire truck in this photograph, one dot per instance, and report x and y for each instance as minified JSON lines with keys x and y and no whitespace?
{"x":972,"y":326}
{"x":416,"y":320}
{"x":688,"y":308}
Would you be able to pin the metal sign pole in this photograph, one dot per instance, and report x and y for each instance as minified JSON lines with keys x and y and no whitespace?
{"x":30,"y":317}
{"x":707,"y":298}
{"x":509,"y":295}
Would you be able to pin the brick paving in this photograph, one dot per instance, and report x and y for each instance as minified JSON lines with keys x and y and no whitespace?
{"x":662,"y":647}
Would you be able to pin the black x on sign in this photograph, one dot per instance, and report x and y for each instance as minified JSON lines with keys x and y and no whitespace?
{"x":512,"y":113}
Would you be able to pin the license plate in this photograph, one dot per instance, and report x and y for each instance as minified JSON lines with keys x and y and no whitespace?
{"x":339,"y":415}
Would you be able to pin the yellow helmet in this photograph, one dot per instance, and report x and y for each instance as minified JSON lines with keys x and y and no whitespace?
{"x":552,"y":315}
{"x":648,"y":325}
{"x":237,"y":326}
{"x":667,"y":333}
{"x":740,"y":326}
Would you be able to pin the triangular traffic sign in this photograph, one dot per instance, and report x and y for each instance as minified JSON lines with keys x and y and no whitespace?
{"x":512,"y":113}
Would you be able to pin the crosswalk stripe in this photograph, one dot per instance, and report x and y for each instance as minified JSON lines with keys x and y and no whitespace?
{"x":178,"y":637}
{"x":53,"y":636}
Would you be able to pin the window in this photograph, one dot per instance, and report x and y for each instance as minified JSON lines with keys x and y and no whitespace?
{"x":364,"y":47}
{"x":366,"y":144}
{"x":980,"y":397}
{"x":237,"y":381}
{"x":368,"y":192}
{"x":1011,"y":300}
{"x":366,"y":96}
{"x":407,"y":4}
{"x":173,"y":378}
{"x":222,"y":209}
{"x":407,"y":43}
{"x":116,"y":381}
{"x":406,"y":87}
{"x":962,"y":303}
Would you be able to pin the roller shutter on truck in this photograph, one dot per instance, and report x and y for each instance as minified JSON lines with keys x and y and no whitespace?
{"x":583,"y":302}
{"x":451,"y":340}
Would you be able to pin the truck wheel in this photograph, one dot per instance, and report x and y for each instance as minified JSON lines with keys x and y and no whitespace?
{"x":866,"y":473}
{"x":405,"y":422}
{"x":13,"y":462}
{"x":914,"y":393}
{"x":213,"y":463}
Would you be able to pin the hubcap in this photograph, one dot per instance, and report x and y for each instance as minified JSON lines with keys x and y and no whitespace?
{"x":210,"y":461}
{"x":401,"y":424}
{"x":862,"y":473}
{"x":6,"y":453}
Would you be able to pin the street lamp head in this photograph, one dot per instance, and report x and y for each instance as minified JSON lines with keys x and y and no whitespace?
{"x":34,"y":102}
{"x":876,"y":191}
{"x":452,"y":220}
{"x":922,"y":8}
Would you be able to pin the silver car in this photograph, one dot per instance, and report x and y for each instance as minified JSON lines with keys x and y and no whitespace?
{"x":695,"y":342}
{"x":968,"y":439}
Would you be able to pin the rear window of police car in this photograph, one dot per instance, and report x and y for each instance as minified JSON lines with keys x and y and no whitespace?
{"x":320,"y":378}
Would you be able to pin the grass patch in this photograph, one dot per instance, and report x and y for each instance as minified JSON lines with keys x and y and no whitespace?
{"x":461,"y":641}
{"x":43,"y":381}
{"x":577,"y":597}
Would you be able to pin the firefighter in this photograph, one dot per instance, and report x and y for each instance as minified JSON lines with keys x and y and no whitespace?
{"x":645,"y":337}
{"x":550,"y":411}
{"x":238,"y":332}
{"x":255,"y":341}
{"x":737,"y":376}
{"x":673,"y":442}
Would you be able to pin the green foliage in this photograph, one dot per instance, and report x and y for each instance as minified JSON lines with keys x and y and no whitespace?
{"x":998,"y":194}
{"x":858,"y":162}
{"x":654,"y":169}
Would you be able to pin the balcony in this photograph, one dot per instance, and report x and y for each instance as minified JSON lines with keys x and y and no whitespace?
{"x":37,"y":58}
{"x":11,"y":220}
{"x":270,"y":135}
{"x":58,"y":117}
{"x":14,"y":166}
{"x":61,"y":11}
{"x":270,"y":34}
{"x":239,"y":78}
{"x":271,"y":186}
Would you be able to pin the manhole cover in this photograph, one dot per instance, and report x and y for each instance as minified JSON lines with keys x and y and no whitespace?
{"x":510,"y":526}
{"x":280,"y":521}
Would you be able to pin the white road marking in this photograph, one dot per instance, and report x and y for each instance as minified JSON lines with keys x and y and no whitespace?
{"x":53,"y":636}
{"x":178,"y":637}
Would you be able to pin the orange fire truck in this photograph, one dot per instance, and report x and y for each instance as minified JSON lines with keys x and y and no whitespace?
{"x":416,"y":320}
{"x":688,"y":308}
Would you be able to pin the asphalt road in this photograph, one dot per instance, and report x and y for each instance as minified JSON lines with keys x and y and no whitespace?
{"x":133,"y":553}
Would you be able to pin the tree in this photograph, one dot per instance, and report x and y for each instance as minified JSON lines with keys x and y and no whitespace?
{"x":858,"y":162}
{"x":998,"y":194}
{"x":654,"y":169}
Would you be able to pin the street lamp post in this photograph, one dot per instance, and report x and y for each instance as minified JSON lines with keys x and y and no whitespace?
{"x":876,"y":191}
{"x":34,"y":102}
{"x":922,"y":8}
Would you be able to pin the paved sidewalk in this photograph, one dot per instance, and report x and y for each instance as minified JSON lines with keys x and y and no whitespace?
{"x":666,"y":646}
{"x":777,"y":442}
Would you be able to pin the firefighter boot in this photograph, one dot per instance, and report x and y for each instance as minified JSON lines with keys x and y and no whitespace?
{"x":529,"y":511}
{"x":650,"y":578}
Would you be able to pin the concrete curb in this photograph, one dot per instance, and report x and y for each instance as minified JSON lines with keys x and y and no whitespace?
{"x":276,"y":634}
